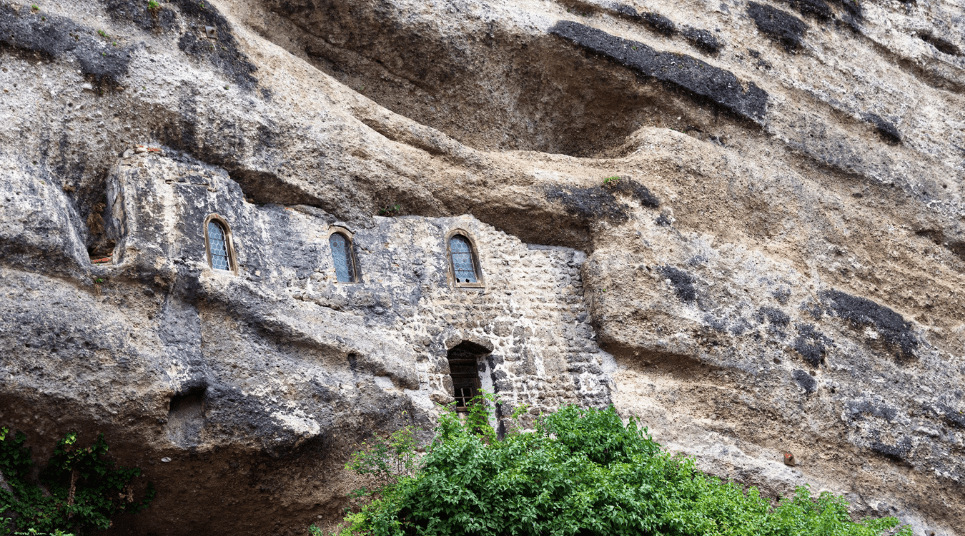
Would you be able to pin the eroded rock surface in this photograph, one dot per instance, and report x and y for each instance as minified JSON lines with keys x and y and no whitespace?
{"x":741,"y":222}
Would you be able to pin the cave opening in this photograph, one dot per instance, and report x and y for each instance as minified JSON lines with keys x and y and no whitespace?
{"x":186,"y":416}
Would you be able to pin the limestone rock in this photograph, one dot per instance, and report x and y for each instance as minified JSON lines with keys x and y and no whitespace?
{"x":745,"y":229}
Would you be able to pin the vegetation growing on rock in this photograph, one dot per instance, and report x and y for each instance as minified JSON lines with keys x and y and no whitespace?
{"x":78,"y":490}
{"x":581,"y":471}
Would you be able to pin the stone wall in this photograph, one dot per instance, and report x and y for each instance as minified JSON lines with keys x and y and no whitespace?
{"x":529,"y":313}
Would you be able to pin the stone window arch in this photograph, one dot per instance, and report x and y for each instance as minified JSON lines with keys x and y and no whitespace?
{"x":218,"y":244}
{"x":343,"y":257}
{"x":464,"y":268}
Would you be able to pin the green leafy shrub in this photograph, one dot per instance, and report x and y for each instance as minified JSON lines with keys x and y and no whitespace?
{"x":386,"y":461}
{"x":581,"y":472}
{"x":78,"y":490}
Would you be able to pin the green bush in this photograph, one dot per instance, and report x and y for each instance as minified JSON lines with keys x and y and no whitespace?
{"x":580,"y":472}
{"x":78,"y":490}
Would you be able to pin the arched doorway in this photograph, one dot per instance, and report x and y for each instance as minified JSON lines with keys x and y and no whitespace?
{"x":466,"y":361}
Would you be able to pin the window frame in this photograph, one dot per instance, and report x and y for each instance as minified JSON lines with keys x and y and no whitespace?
{"x":478,"y":353}
{"x":476,"y":263}
{"x":356,"y":270}
{"x":229,"y":244}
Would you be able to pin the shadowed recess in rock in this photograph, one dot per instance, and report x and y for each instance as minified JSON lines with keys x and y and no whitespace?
{"x":941,"y":44}
{"x":886,"y":129}
{"x":186,"y":416}
{"x":685,"y":73}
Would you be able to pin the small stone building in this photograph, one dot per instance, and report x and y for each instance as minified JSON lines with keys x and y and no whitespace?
{"x":387,"y":294}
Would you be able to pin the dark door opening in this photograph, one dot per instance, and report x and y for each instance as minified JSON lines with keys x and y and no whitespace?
{"x":464,"y":361}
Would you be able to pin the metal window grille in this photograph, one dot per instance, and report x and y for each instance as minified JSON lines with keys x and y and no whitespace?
{"x":343,"y":258}
{"x":465,"y":381}
{"x":464,"y":371}
{"x":218,"y":246}
{"x":463,"y":263}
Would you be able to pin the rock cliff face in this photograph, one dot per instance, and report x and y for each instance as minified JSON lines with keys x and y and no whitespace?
{"x":740,"y":221}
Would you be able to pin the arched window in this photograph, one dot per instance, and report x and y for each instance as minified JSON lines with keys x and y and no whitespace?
{"x":463,"y":261}
{"x":344,"y":258}
{"x":218,"y":242}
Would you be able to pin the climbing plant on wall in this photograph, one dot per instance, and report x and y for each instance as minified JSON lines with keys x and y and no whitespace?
{"x":77,"y":490}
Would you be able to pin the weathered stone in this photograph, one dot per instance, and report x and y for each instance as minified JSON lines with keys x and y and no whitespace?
{"x":55,"y":37}
{"x":814,"y":263}
{"x":885,"y":128}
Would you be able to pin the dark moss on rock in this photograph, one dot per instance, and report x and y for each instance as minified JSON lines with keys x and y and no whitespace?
{"x":852,"y":9}
{"x":720,"y":325}
{"x":860,"y":410}
{"x":636,"y":190}
{"x":694,"y":77}
{"x":644,"y":195}
{"x":588,"y":204}
{"x":54,"y":38}
{"x":892,"y":328}
{"x":658,"y":23}
{"x":805,"y":380}
{"x":617,"y":9}
{"x":778,"y":24}
{"x":136,"y":11}
{"x":702,"y":40}
{"x":811,"y":344}
{"x":782,"y":295}
{"x":740,"y":327}
{"x":815,"y":8}
{"x":886,"y":129}
{"x":699,"y":39}
{"x":898,"y":452}
{"x":683,"y":283}
{"x":222,"y":51}
{"x":625,"y":10}
{"x":599,"y":202}
{"x":775,"y":317}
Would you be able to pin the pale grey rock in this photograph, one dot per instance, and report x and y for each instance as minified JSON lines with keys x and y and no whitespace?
{"x":786,"y":279}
